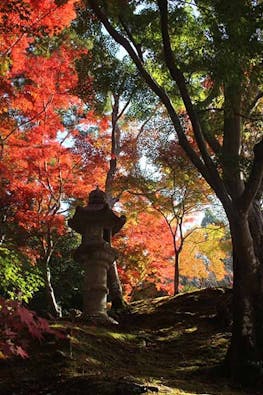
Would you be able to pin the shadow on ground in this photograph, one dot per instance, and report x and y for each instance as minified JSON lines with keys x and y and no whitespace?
{"x":168,"y":345}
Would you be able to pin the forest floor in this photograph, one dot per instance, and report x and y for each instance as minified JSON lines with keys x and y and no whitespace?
{"x":168,"y":345}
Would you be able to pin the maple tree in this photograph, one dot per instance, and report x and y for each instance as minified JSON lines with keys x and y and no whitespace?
{"x":18,"y":279}
{"x":21,"y":25}
{"x":145,"y":251}
{"x":14,"y":322}
{"x":169,"y":183}
{"x":44,"y":188}
{"x":39,"y":169}
{"x":47,"y":149}
{"x":155,"y":36}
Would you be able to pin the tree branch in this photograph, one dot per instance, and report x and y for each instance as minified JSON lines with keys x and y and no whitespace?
{"x":178,"y":76}
{"x":212,"y":176}
{"x":156,"y":88}
{"x":45,"y":106}
{"x":136,"y":46}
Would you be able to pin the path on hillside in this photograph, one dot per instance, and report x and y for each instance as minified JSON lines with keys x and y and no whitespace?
{"x":164,"y":345}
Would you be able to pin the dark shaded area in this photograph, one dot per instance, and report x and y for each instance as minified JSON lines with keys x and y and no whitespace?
{"x":165,"y":345}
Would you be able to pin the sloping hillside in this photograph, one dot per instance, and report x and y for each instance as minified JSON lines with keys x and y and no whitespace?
{"x":164,"y":345}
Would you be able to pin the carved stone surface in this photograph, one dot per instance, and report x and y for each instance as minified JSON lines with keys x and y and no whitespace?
{"x":96,"y":223}
{"x":96,"y":264}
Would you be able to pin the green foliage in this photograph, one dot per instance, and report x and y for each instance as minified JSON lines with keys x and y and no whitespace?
{"x":112,"y":72}
{"x":66,"y":273}
{"x":19,"y":280}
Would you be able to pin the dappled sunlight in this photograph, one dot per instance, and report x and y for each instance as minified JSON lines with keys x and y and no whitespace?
{"x":156,"y":344}
{"x":157,"y":105}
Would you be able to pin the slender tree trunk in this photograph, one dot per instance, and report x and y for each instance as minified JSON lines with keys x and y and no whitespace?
{"x":113,"y":280}
{"x":115,"y":288}
{"x":53,"y":307}
{"x":176,"y":274}
{"x":3,"y":223}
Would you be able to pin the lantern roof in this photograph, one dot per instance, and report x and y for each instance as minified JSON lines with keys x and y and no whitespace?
{"x":97,"y":212}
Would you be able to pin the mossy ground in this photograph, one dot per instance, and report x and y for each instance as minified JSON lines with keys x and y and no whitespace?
{"x":167,"y":345}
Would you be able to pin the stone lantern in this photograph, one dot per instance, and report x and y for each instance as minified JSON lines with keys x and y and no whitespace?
{"x":96,"y":223}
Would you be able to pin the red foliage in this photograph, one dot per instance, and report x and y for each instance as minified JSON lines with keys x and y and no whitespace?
{"x":17,"y":326}
{"x":38,"y":171}
{"x":145,"y":246}
{"x":35,"y":17}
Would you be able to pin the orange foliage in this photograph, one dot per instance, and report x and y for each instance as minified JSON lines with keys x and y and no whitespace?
{"x":145,"y":246}
{"x":34,"y":17}
{"x":40,"y":170}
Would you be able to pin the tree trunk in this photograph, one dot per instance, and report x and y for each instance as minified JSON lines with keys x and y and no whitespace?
{"x":53,"y":307}
{"x":113,"y":280}
{"x":115,"y":288}
{"x":244,"y":359}
{"x":256,"y":227}
{"x":245,"y":354}
{"x":176,"y":274}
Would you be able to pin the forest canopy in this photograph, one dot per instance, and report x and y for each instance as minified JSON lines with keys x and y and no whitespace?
{"x":159,"y":104}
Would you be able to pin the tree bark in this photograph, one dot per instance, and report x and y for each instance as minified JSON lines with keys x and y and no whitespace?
{"x":256,"y":226}
{"x":176,"y":274}
{"x":113,"y":280}
{"x":115,"y":288}
{"x":53,"y":307}
{"x":245,"y":355}
{"x":244,"y":359}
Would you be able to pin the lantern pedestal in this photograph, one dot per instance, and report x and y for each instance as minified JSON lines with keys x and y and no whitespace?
{"x":96,"y":260}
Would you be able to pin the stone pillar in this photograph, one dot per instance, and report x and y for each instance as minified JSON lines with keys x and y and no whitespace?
{"x":96,"y":263}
